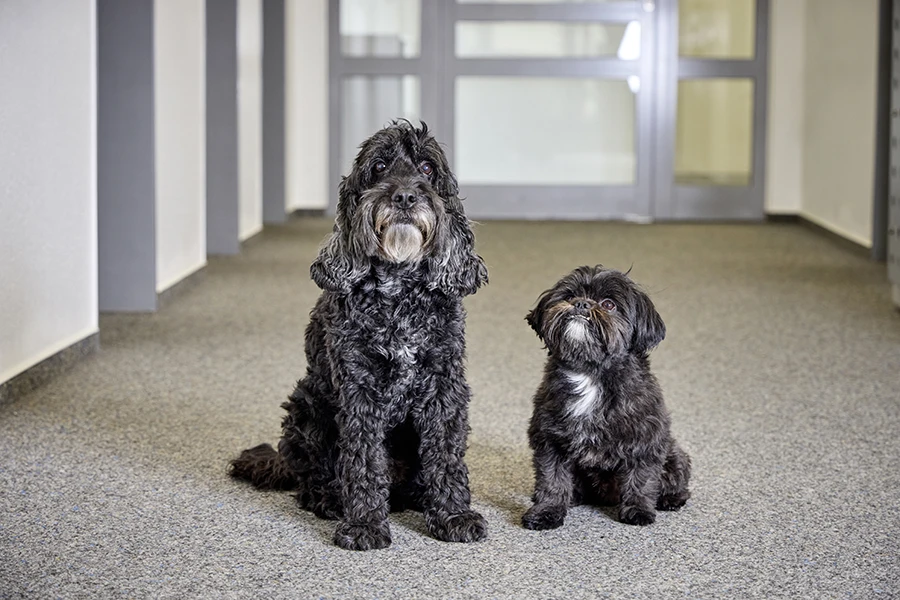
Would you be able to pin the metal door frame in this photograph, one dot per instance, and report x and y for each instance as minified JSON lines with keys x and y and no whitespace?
{"x":682,"y":202}
{"x":654,"y":194}
{"x":558,"y":201}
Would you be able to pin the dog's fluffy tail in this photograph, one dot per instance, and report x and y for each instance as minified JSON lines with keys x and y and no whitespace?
{"x":265,"y":468}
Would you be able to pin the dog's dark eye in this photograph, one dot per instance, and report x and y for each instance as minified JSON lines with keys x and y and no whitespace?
{"x":426,"y":168}
{"x":379,"y":167}
{"x":608,"y":305}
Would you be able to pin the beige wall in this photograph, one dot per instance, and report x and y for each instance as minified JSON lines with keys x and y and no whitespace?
{"x":306,"y":105}
{"x":48,"y":186}
{"x":784,"y":133}
{"x":840,"y":87}
{"x":820,"y":161}
{"x":249,"y":89}
{"x":180,"y":106}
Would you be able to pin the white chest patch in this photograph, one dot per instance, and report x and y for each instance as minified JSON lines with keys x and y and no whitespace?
{"x":587,"y":394}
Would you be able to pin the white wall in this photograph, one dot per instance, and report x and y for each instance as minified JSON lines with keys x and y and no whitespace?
{"x":180,"y":96}
{"x":48,"y":196}
{"x":249,"y":50}
{"x":839,"y":109}
{"x":785,"y":131}
{"x":306,"y":106}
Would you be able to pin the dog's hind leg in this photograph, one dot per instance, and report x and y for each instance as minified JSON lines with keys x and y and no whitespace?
{"x":673,"y":489}
{"x":309,"y":446}
{"x":265,"y":468}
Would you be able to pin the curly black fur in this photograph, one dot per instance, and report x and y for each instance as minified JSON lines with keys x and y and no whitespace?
{"x":380,"y":419}
{"x":600,"y":431}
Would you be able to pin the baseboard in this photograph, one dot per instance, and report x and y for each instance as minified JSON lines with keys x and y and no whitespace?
{"x":168,"y":295}
{"x":306,"y":213}
{"x":254,"y":238}
{"x":847,"y":244}
{"x":49,"y":368}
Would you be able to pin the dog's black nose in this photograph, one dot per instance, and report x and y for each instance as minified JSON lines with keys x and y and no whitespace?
{"x":404,"y":197}
{"x":583,"y":304}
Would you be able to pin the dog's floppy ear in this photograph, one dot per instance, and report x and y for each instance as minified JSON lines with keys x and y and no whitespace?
{"x":456,"y":269}
{"x":341,"y":264}
{"x":445,"y":182}
{"x":535,"y":318}
{"x":649,"y":329}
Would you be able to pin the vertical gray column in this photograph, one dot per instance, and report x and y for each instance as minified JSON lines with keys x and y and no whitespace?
{"x":893,"y":239}
{"x":882,"y":134}
{"x":273,"y":96}
{"x":126,"y":165}
{"x":222,"y":205}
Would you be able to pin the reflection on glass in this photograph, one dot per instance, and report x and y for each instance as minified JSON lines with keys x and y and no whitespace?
{"x":716,"y":28}
{"x":370,"y":103}
{"x":547,"y":39}
{"x":385,"y":28}
{"x":537,"y":130}
{"x":714,"y":132}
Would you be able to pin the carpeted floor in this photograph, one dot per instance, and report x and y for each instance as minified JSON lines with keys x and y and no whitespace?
{"x":781,"y":369}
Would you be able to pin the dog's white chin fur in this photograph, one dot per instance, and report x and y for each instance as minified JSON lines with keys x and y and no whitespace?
{"x":576,"y":330}
{"x":402,"y":242}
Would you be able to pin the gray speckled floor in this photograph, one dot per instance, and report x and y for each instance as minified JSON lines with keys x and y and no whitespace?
{"x":781,"y":369}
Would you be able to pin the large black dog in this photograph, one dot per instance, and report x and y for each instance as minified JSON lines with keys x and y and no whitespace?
{"x":600,"y":430}
{"x":380,"y":421}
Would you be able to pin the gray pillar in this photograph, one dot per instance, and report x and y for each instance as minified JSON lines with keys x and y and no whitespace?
{"x":222,"y":205}
{"x":126,"y":166}
{"x":273,"y":134}
{"x":893,"y":224}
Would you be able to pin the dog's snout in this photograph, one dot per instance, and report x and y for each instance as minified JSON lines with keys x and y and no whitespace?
{"x":582,"y":304}
{"x":404,"y":197}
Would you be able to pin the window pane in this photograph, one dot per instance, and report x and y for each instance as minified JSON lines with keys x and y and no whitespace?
{"x":370,"y":103}
{"x":478,"y":39}
{"x":544,"y":130}
{"x":716,"y":28}
{"x":714,"y":132}
{"x":385,"y":28}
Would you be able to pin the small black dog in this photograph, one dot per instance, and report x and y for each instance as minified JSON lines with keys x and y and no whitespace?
{"x":380,"y":420}
{"x":600,"y":431}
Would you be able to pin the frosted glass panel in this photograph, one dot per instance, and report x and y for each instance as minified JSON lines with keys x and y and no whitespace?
{"x":370,"y":103}
{"x":385,"y":28}
{"x":717,"y":28}
{"x":714,"y":132}
{"x":484,"y":39}
{"x":536,"y":130}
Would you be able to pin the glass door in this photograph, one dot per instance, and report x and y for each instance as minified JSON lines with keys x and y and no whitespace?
{"x":711,"y":109}
{"x":565,"y":109}
{"x":548,"y":107}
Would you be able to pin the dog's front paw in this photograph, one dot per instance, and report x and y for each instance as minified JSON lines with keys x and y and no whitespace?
{"x":544,"y":516}
{"x":468,"y":526}
{"x":363,"y":536}
{"x":635,"y":515}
